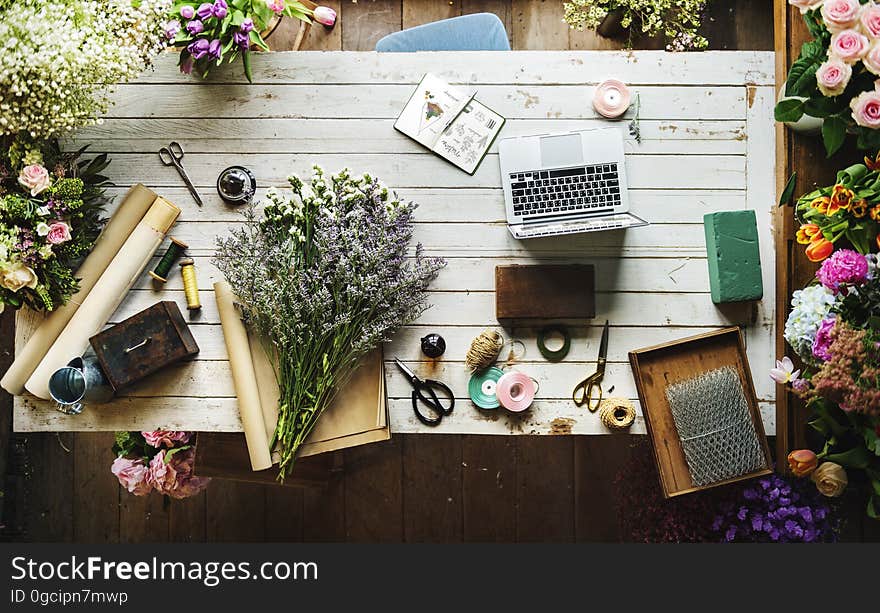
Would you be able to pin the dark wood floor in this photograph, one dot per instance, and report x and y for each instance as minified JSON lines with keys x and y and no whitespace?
{"x":413,"y":488}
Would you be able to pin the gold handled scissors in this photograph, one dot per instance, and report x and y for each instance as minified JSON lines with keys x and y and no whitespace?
{"x":589,"y":391}
{"x":172,"y":155}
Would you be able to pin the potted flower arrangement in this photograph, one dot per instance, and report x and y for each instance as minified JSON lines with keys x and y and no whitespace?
{"x":676,"y":20}
{"x":209,"y":34}
{"x":50,"y":215}
{"x":835,"y":77}
{"x":159,"y":461}
{"x":834,"y":328}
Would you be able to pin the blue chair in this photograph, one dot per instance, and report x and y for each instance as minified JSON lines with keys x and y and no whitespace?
{"x":477,"y":32}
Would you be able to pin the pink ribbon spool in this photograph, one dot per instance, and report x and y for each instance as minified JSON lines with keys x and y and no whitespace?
{"x":611,"y":99}
{"x":516,"y":391}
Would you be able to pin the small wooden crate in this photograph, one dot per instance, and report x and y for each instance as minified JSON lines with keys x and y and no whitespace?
{"x":545,"y":291}
{"x":654,"y":368}
{"x":144,"y":343}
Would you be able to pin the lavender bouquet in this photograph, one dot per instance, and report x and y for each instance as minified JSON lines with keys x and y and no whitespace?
{"x":324,"y":277}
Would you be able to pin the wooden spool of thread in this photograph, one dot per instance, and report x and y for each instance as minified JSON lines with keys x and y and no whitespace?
{"x":190,"y":284}
{"x":174,"y":252}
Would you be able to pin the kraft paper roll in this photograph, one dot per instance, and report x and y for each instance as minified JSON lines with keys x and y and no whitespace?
{"x":243,"y":377}
{"x":107,"y":293}
{"x":266,"y":383}
{"x":130,"y":212}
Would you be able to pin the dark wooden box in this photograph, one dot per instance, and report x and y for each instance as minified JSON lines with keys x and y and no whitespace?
{"x":545,"y":291}
{"x":144,"y":343}
{"x":656,"y":367}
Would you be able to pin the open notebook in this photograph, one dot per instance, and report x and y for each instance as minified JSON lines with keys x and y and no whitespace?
{"x":450,"y":122}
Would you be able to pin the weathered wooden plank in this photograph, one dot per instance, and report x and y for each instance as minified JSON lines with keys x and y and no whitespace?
{"x":187,"y":519}
{"x":49,"y":510}
{"x":144,"y":519}
{"x":229,"y":521}
{"x":544,"y":470}
{"x":432,"y":504}
{"x":537,"y":24}
{"x":707,"y":69}
{"x":284,"y":514}
{"x":147,"y":135}
{"x":387,"y":101}
{"x":373,"y":501}
{"x":488,"y":488}
{"x":418,"y":12}
{"x":97,"y":489}
{"x":597,"y":459}
{"x":324,"y":508}
{"x":365,"y":22}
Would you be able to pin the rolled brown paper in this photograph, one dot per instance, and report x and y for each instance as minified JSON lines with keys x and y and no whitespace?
{"x":129,"y":213}
{"x":243,"y":377}
{"x":106,"y":295}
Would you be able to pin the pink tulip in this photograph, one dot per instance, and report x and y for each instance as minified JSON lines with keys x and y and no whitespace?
{"x":325,"y":15}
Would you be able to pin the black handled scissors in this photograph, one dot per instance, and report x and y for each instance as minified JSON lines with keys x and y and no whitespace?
{"x":420,"y":388}
{"x":589,"y":391}
{"x":172,"y":156}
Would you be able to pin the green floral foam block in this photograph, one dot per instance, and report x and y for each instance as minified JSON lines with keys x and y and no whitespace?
{"x":734,"y":259}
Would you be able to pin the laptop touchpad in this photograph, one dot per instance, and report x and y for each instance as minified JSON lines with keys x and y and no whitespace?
{"x":561,"y":150}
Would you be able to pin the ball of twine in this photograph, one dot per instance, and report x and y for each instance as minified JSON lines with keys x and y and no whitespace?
{"x":484,"y":350}
{"x":617,"y":413}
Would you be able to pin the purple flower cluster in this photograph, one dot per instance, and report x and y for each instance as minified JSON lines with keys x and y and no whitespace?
{"x":776,"y":509}
{"x":823,"y":340}
{"x":843,"y":267}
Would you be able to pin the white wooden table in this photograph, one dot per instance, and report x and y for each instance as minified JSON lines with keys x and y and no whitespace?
{"x":707,"y":145}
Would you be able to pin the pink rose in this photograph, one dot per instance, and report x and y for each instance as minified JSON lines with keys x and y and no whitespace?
{"x":132,"y":475}
{"x":59,"y":232}
{"x":871,"y":61}
{"x":166,"y":438}
{"x":34,"y":178}
{"x":870,"y":20}
{"x":805,"y":5}
{"x":833,"y":76}
{"x":866,"y":108}
{"x":175,"y":477}
{"x":840,"y":14}
{"x":849,"y":45}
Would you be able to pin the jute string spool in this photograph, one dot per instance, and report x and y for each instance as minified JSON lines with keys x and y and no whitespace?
{"x":617,"y":413}
{"x":484,"y":350}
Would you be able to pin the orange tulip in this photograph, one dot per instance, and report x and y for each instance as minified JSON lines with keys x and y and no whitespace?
{"x":875,"y":213}
{"x":877,"y":240}
{"x":819,"y":249}
{"x":821,"y":204}
{"x":859,"y":208}
{"x":873,"y":164}
{"x":840,"y":199}
{"x":806,"y":233}
{"x":802,"y":462}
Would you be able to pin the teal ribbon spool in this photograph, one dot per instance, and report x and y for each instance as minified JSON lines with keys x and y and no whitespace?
{"x":481,"y":388}
{"x":559,"y":354}
{"x":175,"y":250}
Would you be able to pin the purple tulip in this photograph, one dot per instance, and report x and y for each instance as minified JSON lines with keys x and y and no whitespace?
{"x":205,"y":10}
{"x":187,"y":12}
{"x":241,"y":39}
{"x":214,"y":49}
{"x":195,"y":27}
{"x":247,"y":25}
{"x":171,"y":29}
{"x":198,"y":48}
{"x":220,"y":9}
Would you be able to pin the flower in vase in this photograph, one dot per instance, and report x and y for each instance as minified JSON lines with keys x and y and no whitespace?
{"x":849,"y":45}
{"x":830,"y":479}
{"x":34,"y":178}
{"x":205,"y":10}
{"x":132,"y":475}
{"x":59,"y":232}
{"x":844,"y":267}
{"x":166,"y":438}
{"x":784,"y":371}
{"x":195,"y":27}
{"x":187,"y":12}
{"x":841,"y":14}
{"x":823,"y":340}
{"x":802,"y":462}
{"x":866,"y":108}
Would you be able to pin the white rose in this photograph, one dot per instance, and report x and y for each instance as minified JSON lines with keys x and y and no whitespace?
{"x":16,"y":276}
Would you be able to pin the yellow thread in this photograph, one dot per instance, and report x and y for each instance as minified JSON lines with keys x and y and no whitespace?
{"x":190,"y":284}
{"x":617,"y":413}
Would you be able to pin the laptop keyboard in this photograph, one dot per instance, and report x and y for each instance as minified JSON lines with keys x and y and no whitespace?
{"x":590,"y":188}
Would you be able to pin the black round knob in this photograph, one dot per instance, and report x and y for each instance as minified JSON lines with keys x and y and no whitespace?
{"x":236,"y":185}
{"x":433,"y":345}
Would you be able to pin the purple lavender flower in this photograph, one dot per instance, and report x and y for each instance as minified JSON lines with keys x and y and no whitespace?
{"x":205,"y":10}
{"x":187,"y":12}
{"x":220,"y":9}
{"x":247,"y":25}
{"x":198,"y":48}
{"x":171,"y":29}
{"x":215,"y":48}
{"x":195,"y":27}
{"x":241,"y":39}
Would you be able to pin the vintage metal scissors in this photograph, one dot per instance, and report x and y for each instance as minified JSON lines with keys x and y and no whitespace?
{"x":172,"y":156}
{"x":589,"y":391}
{"x":428,"y":386}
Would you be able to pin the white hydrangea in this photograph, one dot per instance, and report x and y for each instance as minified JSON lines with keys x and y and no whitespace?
{"x":59,"y":57}
{"x":809,"y":306}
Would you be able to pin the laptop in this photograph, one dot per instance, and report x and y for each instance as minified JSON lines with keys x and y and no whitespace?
{"x":565,"y":183}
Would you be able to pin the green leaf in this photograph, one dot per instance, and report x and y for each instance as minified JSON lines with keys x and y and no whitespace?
{"x":822,"y":106}
{"x":256,"y":39}
{"x":789,"y":110}
{"x":872,"y":507}
{"x":833,"y":134}
{"x":237,"y":18}
{"x":868,"y":139}
{"x":857,"y":457}
{"x":788,"y":191}
{"x":802,"y":74}
{"x":246,"y":60}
